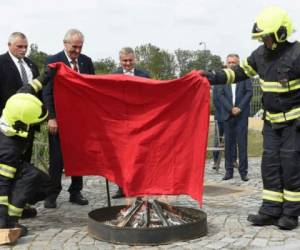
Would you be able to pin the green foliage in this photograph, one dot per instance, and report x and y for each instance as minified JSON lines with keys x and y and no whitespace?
{"x":158,"y":62}
{"x":38,"y":57}
{"x":105,"y":66}
{"x":196,"y":59}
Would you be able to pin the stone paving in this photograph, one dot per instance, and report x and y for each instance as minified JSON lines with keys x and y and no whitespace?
{"x":66,"y":227}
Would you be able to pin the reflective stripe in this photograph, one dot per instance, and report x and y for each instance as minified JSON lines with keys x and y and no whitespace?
{"x":230,"y":75}
{"x":278,"y":87}
{"x":14,"y":211}
{"x":291,"y":196}
{"x":272,"y":196}
{"x":282,"y":117}
{"x":7,"y":171}
{"x":4,"y":200}
{"x":249,"y":71}
{"x":36,"y":84}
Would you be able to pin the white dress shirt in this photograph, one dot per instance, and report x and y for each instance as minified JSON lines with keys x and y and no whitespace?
{"x":27,"y":69}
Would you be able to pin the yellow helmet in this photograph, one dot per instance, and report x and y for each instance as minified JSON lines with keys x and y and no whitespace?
{"x":273,"y":21}
{"x":22,"y":110}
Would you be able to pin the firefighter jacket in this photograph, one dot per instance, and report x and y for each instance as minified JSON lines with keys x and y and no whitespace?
{"x":279,"y":73}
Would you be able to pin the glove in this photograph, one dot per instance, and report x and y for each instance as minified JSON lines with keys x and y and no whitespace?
{"x":210,"y":75}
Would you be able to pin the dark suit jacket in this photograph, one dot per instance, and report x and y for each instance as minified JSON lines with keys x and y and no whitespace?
{"x":243,"y":94}
{"x":10,"y":78}
{"x":85,"y":67}
{"x":217,"y":90}
{"x":137,"y":72}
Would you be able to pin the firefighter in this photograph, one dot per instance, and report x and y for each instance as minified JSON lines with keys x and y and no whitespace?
{"x":277,"y":63}
{"x":19,"y":180}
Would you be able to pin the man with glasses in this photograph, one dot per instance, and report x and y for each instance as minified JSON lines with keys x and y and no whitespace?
{"x":17,"y":70}
{"x":127,"y":62}
{"x":72,"y":57}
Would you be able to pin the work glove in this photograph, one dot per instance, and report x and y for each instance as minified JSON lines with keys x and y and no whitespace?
{"x":210,"y":75}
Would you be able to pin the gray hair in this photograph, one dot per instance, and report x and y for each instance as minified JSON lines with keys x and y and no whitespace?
{"x":126,"y":51}
{"x":14,"y":35}
{"x":233,"y":55}
{"x":73,"y":32}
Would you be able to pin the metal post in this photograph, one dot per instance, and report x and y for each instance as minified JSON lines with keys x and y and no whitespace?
{"x":107,"y":192}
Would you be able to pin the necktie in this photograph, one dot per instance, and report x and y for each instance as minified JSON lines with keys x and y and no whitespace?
{"x":23,"y":72}
{"x":75,"y":66}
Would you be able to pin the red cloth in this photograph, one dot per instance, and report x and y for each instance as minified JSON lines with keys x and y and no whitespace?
{"x":147,"y":136}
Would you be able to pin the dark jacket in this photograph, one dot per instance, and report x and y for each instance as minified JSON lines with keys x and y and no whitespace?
{"x":10,"y":79}
{"x":243,"y":94}
{"x":137,"y":72}
{"x":85,"y":65}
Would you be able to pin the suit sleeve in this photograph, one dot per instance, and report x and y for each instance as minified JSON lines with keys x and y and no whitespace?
{"x":248,"y":95}
{"x":224,"y":101}
{"x":47,"y":94}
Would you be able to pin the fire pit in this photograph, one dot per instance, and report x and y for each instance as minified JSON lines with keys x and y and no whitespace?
{"x":146,"y":222}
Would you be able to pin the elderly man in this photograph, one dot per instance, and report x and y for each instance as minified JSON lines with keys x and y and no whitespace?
{"x":71,"y":56}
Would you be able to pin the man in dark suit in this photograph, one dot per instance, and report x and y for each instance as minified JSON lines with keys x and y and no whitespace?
{"x":127,"y":62}
{"x":71,"y":56}
{"x":17,"y":70}
{"x":235,"y":100}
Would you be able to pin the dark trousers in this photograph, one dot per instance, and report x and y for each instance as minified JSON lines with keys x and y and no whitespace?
{"x":56,"y":169}
{"x":26,"y":187}
{"x":280,"y":167}
{"x":236,"y":143}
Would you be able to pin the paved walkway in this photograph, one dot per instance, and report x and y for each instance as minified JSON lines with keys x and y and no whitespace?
{"x":66,"y":227}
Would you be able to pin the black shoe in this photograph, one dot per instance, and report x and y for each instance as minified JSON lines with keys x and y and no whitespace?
{"x":244,"y":178}
{"x":216,"y":166}
{"x":262,"y":219}
{"x":13,"y":223}
{"x":118,"y":194}
{"x":288,"y":222}
{"x":78,"y":199}
{"x":29,"y":212}
{"x":50,"y":202}
{"x":227,"y":177}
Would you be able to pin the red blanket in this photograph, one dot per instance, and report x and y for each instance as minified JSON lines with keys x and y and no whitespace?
{"x":147,"y":136}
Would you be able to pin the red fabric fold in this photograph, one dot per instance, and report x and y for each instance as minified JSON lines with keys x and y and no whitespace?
{"x":147,"y":136}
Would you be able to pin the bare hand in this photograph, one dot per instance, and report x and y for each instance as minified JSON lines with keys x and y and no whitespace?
{"x":52,"y":126}
{"x":235,"y":111}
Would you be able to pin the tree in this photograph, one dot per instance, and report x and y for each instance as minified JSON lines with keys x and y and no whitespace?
{"x":158,"y":62}
{"x":38,"y":57}
{"x":105,"y":66}
{"x":199,"y":59}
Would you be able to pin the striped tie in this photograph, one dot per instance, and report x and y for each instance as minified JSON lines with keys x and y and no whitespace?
{"x":23,"y":72}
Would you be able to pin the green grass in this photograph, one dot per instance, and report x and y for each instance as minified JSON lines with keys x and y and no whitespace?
{"x":254,"y":143}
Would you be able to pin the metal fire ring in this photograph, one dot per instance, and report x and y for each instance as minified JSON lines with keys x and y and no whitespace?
{"x":144,"y":236}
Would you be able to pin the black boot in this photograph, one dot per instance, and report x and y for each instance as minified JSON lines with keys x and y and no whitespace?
{"x":288,"y":222}
{"x":13,"y":222}
{"x":29,"y":212}
{"x":262,"y":219}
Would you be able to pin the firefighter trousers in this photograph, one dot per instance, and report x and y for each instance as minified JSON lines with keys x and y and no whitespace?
{"x":280,"y":170}
{"x":22,"y":189}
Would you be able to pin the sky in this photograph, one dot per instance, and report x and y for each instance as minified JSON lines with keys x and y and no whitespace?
{"x":220,"y":26}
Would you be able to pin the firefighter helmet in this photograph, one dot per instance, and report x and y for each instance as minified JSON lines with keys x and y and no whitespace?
{"x":22,"y":110}
{"x":273,"y":21}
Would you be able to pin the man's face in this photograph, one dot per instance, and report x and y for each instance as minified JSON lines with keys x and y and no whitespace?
{"x":268,"y":41}
{"x":18,"y":47}
{"x":232,"y":62}
{"x":73,"y":46}
{"x":127,"y":61}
